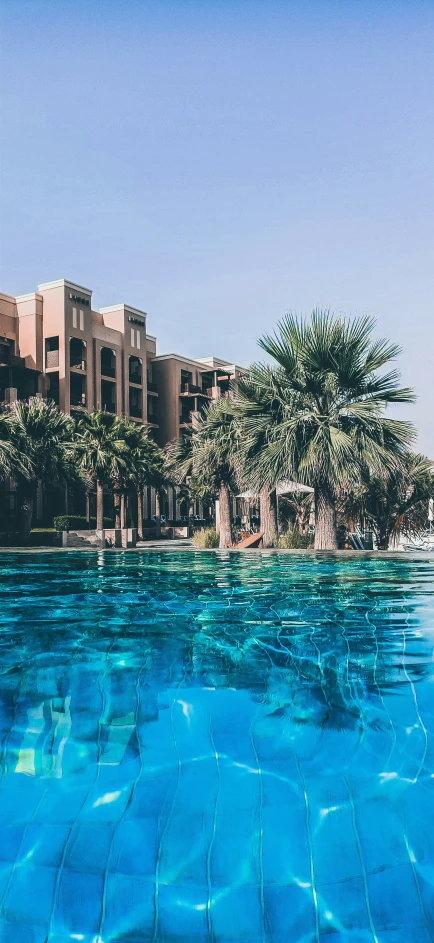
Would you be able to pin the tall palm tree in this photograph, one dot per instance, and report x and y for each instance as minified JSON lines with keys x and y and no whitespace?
{"x":208,"y":457}
{"x":256,"y":410}
{"x":394,"y":502}
{"x":42,"y":438}
{"x":102,"y":453}
{"x":329,"y":390}
{"x":145,"y":464}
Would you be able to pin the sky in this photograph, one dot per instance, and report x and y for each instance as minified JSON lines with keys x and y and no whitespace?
{"x":220,"y":163}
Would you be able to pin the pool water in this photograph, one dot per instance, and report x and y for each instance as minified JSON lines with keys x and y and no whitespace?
{"x":216,"y":747}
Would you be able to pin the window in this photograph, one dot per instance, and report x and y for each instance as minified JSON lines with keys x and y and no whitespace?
{"x":132,"y":337}
{"x":108,"y":396}
{"x":138,"y":340}
{"x":81,"y":320}
{"x":53,"y":386}
{"x":135,"y":370}
{"x":74,"y":317}
{"x":77,"y":390}
{"x":186,"y":380}
{"x":77,"y":353}
{"x":108,"y":362}
{"x":152,"y":413}
{"x":135,"y":403}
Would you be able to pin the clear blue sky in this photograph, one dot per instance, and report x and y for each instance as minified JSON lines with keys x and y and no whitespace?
{"x":219,"y":163}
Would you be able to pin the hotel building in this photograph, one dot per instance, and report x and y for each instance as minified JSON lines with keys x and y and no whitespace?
{"x":55,"y":345}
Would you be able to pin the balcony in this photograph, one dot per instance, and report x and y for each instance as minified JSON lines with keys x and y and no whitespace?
{"x":135,"y":403}
{"x":190,"y":389}
{"x":51,"y":359}
{"x":108,"y":396}
{"x":77,"y":390}
{"x":185,"y":417}
{"x":78,"y":399}
{"x":8,"y":359}
{"x":152,"y":387}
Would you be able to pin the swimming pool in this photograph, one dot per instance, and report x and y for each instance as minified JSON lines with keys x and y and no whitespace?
{"x":216,"y":747}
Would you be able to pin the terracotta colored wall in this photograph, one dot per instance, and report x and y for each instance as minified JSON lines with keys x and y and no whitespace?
{"x":30,"y":330}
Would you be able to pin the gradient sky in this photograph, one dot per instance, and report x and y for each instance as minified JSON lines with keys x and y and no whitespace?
{"x":220,"y":163}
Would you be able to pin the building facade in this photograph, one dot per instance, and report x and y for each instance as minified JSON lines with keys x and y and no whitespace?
{"x":78,"y":357}
{"x":55,"y":345}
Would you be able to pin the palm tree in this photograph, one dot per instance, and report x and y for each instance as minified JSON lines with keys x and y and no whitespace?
{"x":255,"y":411}
{"x":178,"y":456}
{"x":145,"y":464}
{"x":208,"y":457}
{"x":42,"y":439}
{"x":328,"y":392}
{"x":102,"y":453}
{"x":394,"y":502}
{"x":10,"y":460}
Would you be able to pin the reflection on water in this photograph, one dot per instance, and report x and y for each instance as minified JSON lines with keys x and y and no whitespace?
{"x":216,"y":747}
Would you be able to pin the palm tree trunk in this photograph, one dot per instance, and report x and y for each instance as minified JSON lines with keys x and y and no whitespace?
{"x":99,"y":505}
{"x":225,"y":517}
{"x":26,"y":515}
{"x":325,"y":522}
{"x":383,"y":539}
{"x":140,"y":513}
{"x":268,"y":516}
{"x":117,"y":509}
{"x":157,"y":513}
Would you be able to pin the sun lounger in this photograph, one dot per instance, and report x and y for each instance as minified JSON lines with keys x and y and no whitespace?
{"x":253,"y":541}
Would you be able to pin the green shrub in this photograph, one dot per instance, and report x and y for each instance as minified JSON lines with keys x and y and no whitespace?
{"x":206,"y":539}
{"x":62,"y":522}
{"x":78,"y":522}
{"x":293,"y":540}
{"x":43,"y":530}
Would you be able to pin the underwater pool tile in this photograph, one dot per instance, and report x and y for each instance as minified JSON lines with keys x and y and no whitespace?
{"x":289,"y":912}
{"x":235,"y":848}
{"x":11,"y":837}
{"x":78,"y":905}
{"x":135,"y":846}
{"x":29,"y":898}
{"x":237,"y":913}
{"x":44,"y":844}
{"x":133,"y":923}
{"x":8,"y":933}
{"x":394,"y":899}
{"x":285,"y":844}
{"x":343,"y":906}
{"x":334,"y":845}
{"x":88,"y":848}
{"x":406,"y":935}
{"x":182,"y":911}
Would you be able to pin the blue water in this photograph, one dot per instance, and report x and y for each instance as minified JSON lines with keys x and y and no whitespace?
{"x":222,"y":748}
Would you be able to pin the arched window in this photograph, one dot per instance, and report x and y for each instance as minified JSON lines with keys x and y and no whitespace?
{"x":135,"y":370}
{"x":77,"y":353}
{"x":108,"y":362}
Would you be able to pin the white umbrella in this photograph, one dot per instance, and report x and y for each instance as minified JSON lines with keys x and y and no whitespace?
{"x":283,"y":487}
